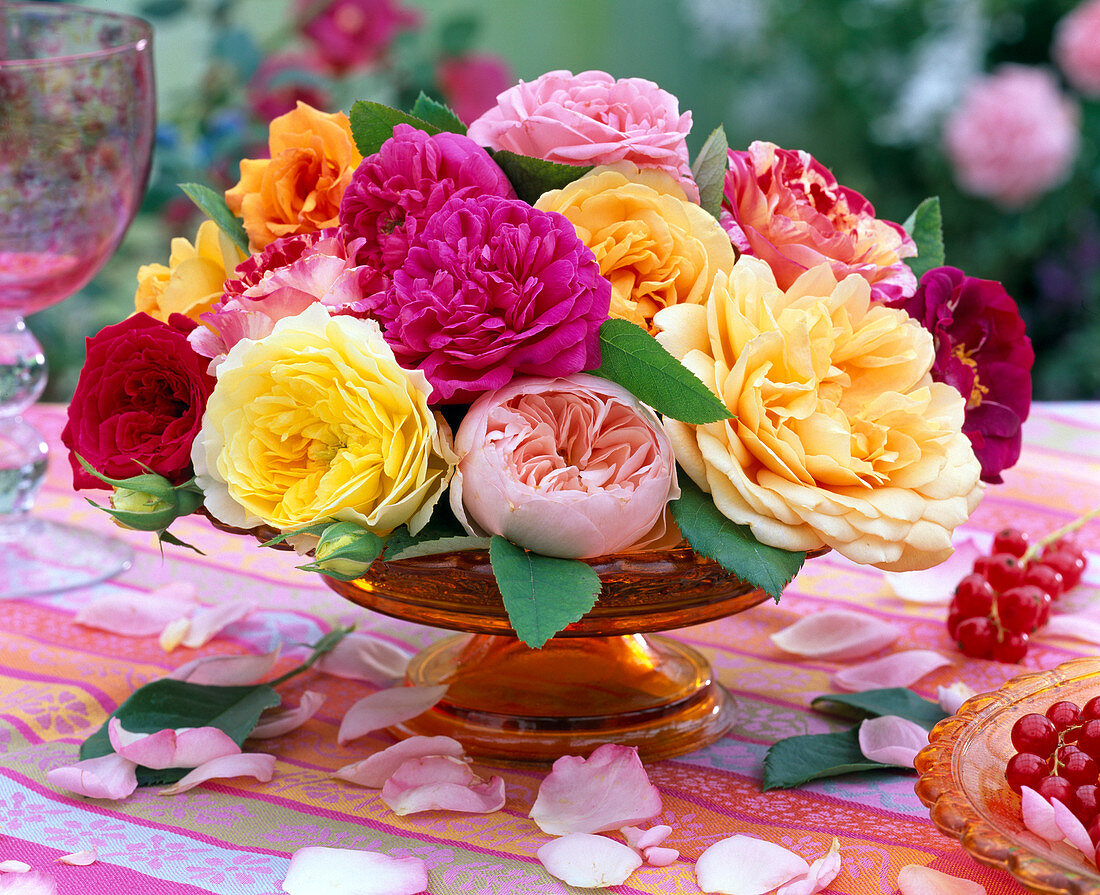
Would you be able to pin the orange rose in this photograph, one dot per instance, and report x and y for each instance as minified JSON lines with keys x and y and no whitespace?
{"x":297,"y":190}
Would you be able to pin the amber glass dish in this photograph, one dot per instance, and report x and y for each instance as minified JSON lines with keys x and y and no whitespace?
{"x":962,"y":780}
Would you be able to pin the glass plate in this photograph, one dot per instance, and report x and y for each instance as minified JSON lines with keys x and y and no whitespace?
{"x":962,"y":780}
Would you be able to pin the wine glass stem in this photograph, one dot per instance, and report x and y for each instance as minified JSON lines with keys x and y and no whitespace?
{"x":23,"y":450}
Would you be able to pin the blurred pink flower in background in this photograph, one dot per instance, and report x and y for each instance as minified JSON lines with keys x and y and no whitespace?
{"x":284,"y":79}
{"x":1013,"y":137}
{"x":471,"y":83}
{"x":350,"y":34}
{"x":1077,"y":47}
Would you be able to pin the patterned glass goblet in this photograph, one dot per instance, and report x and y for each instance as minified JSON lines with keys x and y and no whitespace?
{"x":77,"y":117}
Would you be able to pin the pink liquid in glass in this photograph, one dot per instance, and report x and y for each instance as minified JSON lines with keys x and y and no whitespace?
{"x":31,"y":281}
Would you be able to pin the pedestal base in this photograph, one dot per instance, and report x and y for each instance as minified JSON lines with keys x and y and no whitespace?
{"x":38,"y":556}
{"x":509,"y":703}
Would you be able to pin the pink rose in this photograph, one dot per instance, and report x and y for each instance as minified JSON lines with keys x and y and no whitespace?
{"x":786,"y":208}
{"x":471,"y":83}
{"x":571,"y":467}
{"x":1013,"y":137}
{"x":1077,"y":47}
{"x":591,"y":119}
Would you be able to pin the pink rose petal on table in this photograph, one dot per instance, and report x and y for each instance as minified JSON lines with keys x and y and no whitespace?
{"x":1038,"y":815}
{"x":588,"y":861}
{"x":822,"y":872}
{"x":174,"y":632}
{"x":952,"y":697}
{"x":14,"y":867}
{"x":317,"y":869}
{"x":895,"y":670}
{"x":365,"y":657}
{"x":281,"y":721}
{"x":80,"y":858}
{"x":243,"y":764}
{"x":387,"y":707}
{"x":745,"y":865}
{"x":187,"y":747}
{"x":135,"y":614}
{"x":227,"y":671}
{"x":836,"y":634}
{"x":107,"y":777}
{"x":374,"y":770}
{"x":917,"y":879}
{"x":441,"y":783}
{"x":208,"y":622}
{"x":641,"y":839}
{"x":657,"y":856}
{"x":28,"y":884}
{"x":892,"y":740}
{"x":1073,"y":830}
{"x":936,"y":586}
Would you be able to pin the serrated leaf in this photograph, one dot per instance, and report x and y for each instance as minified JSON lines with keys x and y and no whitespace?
{"x":531,"y":177}
{"x":436,"y":113}
{"x":709,"y":171}
{"x":442,"y":525}
{"x":542,"y":594}
{"x":438,"y":545}
{"x":925,"y":225}
{"x":731,"y":545}
{"x":800,"y":759}
{"x":213,"y":206}
{"x":898,"y":701}
{"x":639,"y":363}
{"x":372,"y":125}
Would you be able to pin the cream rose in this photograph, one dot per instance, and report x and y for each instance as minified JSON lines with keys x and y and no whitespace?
{"x":656,"y":247}
{"x":317,"y":421}
{"x":839,"y":436}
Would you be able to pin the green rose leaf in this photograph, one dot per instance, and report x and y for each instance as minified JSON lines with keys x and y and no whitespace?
{"x":437,"y":545}
{"x":639,"y":363}
{"x":213,"y":206}
{"x":442,"y":526}
{"x":925,"y":225}
{"x":372,"y":125}
{"x":898,"y":701}
{"x":800,"y":759}
{"x":709,"y":171}
{"x":438,"y":114}
{"x":531,"y":177}
{"x":731,"y":545}
{"x":542,"y":594}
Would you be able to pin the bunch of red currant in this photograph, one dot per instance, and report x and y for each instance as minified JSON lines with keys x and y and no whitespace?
{"x":1058,"y":756}
{"x":1007,"y":596}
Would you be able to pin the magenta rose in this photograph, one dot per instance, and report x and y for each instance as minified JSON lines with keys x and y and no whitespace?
{"x":569,"y":467}
{"x":591,"y":119}
{"x":394,"y":192}
{"x":493,"y":288}
{"x":472,"y":82}
{"x":139,"y":401}
{"x":983,"y":351}
{"x":786,"y":208}
{"x":348,"y":34}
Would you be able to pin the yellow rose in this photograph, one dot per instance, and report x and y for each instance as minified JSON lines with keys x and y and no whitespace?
{"x":657,"y":248}
{"x":839,"y":435}
{"x":193,"y":279}
{"x":298,"y":189}
{"x":318,"y":422}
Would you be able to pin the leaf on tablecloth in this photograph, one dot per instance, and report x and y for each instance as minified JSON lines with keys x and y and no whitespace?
{"x":874,"y":703}
{"x":800,"y":759}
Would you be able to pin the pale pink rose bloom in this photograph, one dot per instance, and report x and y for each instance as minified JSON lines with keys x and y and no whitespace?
{"x":570,"y":467}
{"x":1077,"y":47}
{"x":1014,"y":136}
{"x":590,"y":119}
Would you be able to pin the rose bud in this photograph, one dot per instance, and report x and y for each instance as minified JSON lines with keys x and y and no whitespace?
{"x":345,"y":551}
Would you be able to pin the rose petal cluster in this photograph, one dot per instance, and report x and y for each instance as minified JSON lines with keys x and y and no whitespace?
{"x":655,"y":246}
{"x":317,"y":421}
{"x":299,"y":188}
{"x":982,"y":349}
{"x":839,"y":436}
{"x":138,"y":403}
{"x":472,"y":82}
{"x":350,"y":34}
{"x":1013,"y":137}
{"x":491,"y":289}
{"x":786,"y":208}
{"x":572,"y":467}
{"x":1077,"y":47}
{"x":590,"y":119}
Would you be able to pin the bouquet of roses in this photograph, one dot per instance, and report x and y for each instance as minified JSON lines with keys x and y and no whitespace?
{"x":550,"y":335}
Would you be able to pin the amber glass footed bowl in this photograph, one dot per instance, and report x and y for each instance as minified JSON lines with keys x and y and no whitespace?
{"x":600,"y":680}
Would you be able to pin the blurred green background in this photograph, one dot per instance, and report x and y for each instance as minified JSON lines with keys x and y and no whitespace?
{"x":864,"y":85}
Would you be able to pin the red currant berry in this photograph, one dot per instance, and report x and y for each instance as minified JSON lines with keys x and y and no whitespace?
{"x":1079,"y":769}
{"x":975,"y":637}
{"x":1055,"y":788}
{"x":1010,"y":540}
{"x":1088,"y":737}
{"x":1094,"y":830}
{"x":1091,"y":709}
{"x":1002,"y":570}
{"x":1010,"y":646}
{"x":1064,"y":715}
{"x":954,"y":619}
{"x":1085,"y":802}
{"x":1045,"y":577}
{"x":1026,"y":769}
{"x":1034,"y":733}
{"x":1072,"y":567}
{"x":1096,"y":856}
{"x":1019,"y":608}
{"x":1065,"y":544}
{"x":974,"y":596}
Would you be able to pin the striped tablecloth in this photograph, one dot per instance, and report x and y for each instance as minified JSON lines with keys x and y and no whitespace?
{"x":58,"y":680}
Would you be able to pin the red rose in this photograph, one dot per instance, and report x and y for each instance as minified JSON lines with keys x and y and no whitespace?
{"x":139,"y":400}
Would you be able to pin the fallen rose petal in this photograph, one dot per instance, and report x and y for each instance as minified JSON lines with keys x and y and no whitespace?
{"x":276,"y":723}
{"x":187,"y":747}
{"x":936,"y":586}
{"x":209,"y":621}
{"x":135,"y":614}
{"x":385,"y":708}
{"x":14,"y":867}
{"x":318,"y":869}
{"x":28,"y":884}
{"x":952,"y":697}
{"x":80,"y":858}
{"x":822,"y":872}
{"x":892,"y":740}
{"x":227,"y":671}
{"x":588,"y":861}
{"x":1074,"y":627}
{"x":107,"y":777}
{"x":365,"y":657}
{"x":1038,"y":815}
{"x":656,"y":856}
{"x":243,"y":764}
{"x":641,"y":839}
{"x":745,"y":865}
{"x":441,"y":783}
{"x":374,"y":770}
{"x":608,"y":790}
{"x":836,"y":634}
{"x":1073,"y":830}
{"x":917,"y":879}
{"x":174,"y":632}
{"x":896,"y":670}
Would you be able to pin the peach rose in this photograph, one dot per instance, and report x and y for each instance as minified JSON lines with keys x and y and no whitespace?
{"x":656,"y":247}
{"x":839,"y":435}
{"x":298,"y":189}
